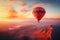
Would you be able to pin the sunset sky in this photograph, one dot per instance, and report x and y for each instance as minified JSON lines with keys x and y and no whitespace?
{"x":23,"y":8}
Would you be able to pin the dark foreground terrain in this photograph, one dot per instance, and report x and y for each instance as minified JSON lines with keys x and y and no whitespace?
{"x":31,"y":33}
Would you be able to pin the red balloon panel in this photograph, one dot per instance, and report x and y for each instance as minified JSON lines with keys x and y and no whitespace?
{"x":39,"y":12}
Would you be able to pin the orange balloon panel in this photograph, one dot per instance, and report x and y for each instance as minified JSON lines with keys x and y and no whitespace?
{"x":39,"y":12}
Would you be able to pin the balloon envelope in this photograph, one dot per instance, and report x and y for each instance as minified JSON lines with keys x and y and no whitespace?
{"x":39,"y":12}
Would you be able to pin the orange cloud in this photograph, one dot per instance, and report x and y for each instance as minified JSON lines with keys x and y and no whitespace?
{"x":11,"y":0}
{"x":21,"y":3}
{"x":42,"y":4}
{"x":12,"y":13}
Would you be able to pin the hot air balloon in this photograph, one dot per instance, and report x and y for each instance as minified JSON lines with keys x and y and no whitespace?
{"x":38,"y":13}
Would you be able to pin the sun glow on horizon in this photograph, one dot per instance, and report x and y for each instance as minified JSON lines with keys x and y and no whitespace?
{"x":3,"y":12}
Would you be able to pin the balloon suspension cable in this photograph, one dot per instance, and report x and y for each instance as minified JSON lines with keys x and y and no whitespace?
{"x":38,"y":24}
{"x":38,"y":20}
